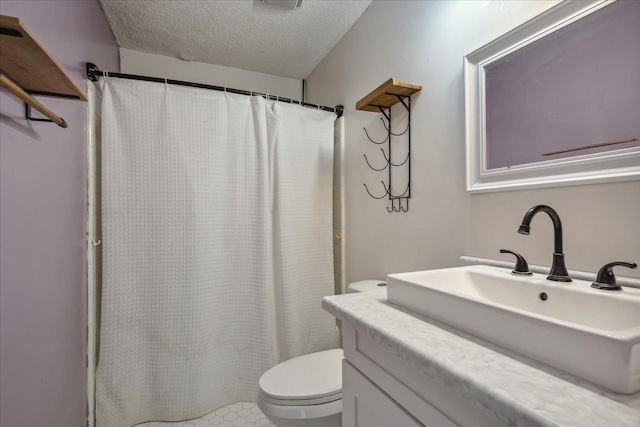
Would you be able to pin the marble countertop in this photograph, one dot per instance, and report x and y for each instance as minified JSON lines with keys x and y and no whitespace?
{"x":518,"y":390}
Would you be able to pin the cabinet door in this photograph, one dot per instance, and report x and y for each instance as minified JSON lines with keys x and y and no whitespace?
{"x":365,"y":405}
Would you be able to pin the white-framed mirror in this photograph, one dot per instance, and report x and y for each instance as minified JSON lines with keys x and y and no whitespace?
{"x":556,"y":101}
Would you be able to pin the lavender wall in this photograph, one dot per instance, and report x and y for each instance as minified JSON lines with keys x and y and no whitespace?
{"x":599,"y":221}
{"x":42,"y":228}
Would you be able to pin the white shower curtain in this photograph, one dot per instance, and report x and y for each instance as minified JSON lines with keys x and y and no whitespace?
{"x":302,"y":211}
{"x":216,"y":219}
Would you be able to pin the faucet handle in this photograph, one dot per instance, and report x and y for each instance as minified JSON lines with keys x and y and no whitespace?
{"x":522,"y":268}
{"x":606,"y":280}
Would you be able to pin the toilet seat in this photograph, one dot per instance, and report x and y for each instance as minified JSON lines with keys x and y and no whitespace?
{"x":311,"y":379}
{"x":301,"y":415}
{"x":302,"y":402}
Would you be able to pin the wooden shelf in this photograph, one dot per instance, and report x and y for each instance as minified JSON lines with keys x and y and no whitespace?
{"x":28,"y":69}
{"x":28,"y":63}
{"x":384,"y":95}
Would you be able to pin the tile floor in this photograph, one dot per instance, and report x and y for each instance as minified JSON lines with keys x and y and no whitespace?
{"x":240,"y":414}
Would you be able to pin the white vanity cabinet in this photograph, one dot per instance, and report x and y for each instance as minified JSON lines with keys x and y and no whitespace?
{"x":381,"y":390}
{"x":403,"y":369}
{"x":365,"y":404}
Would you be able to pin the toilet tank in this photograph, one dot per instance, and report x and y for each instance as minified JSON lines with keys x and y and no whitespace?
{"x":366,"y":285}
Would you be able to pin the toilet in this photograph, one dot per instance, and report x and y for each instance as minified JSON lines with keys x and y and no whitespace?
{"x":306,"y":391}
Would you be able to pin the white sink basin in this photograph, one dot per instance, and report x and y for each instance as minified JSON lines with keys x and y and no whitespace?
{"x":593,"y":334}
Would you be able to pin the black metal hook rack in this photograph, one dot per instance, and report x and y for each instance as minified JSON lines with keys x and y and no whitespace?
{"x":381,"y":100}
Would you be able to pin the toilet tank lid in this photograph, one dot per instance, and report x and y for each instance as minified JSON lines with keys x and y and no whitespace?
{"x":310,"y":376}
{"x":366,"y":285}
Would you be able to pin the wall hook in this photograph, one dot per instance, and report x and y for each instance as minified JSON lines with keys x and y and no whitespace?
{"x":375,"y":169}
{"x":381,"y":142}
{"x":389,"y":130}
{"x":406,"y":190}
{"x":399,"y":207}
{"x":381,"y":197}
{"x":394,"y":164}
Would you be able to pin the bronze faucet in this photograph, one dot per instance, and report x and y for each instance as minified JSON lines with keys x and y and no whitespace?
{"x":558,"y":271}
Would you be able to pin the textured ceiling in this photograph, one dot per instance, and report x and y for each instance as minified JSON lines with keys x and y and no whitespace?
{"x":245,"y":34}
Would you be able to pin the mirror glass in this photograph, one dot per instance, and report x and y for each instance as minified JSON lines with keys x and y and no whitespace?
{"x":556,"y":101}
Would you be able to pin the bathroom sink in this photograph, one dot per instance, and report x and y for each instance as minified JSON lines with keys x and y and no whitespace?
{"x":593,"y":334}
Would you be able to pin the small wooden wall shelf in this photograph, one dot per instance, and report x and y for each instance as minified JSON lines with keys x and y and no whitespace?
{"x":381,"y":100}
{"x":385,"y":95}
{"x":29,"y":69}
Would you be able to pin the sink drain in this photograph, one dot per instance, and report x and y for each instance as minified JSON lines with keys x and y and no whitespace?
{"x":543,"y":296}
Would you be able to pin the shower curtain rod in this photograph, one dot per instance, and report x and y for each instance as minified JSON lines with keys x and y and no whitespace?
{"x":93,"y":72}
